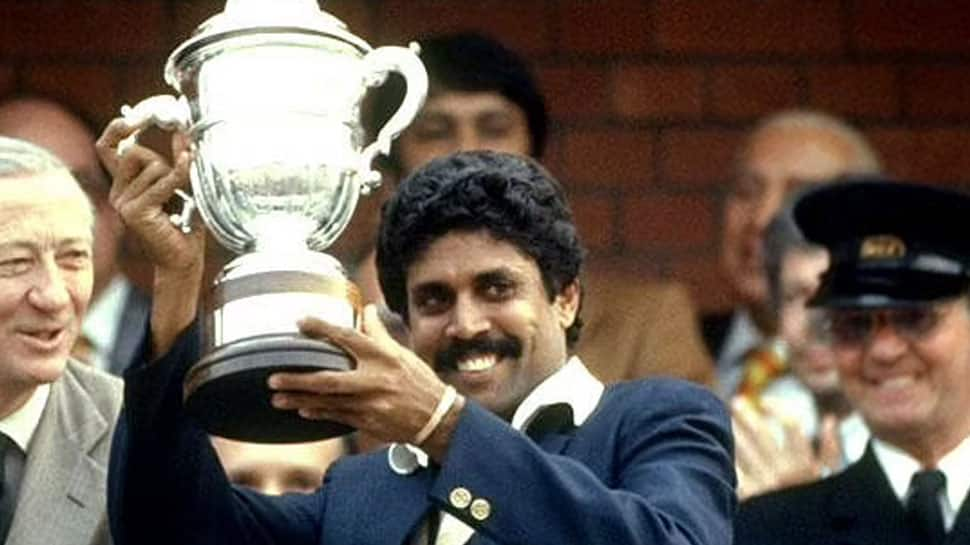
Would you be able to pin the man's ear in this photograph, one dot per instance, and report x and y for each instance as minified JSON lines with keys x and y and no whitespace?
{"x":567,"y":303}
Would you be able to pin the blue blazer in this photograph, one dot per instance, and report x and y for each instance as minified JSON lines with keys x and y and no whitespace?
{"x":652,"y":465}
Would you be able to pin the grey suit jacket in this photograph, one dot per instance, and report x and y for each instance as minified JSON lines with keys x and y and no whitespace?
{"x":62,"y":497}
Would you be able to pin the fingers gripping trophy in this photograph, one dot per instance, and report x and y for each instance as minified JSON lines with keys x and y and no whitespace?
{"x":270,"y":95}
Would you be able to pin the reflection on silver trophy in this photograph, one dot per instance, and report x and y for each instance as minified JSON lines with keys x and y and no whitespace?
{"x":270,"y":96}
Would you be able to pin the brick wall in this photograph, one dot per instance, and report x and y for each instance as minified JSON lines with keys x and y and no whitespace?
{"x":649,"y":97}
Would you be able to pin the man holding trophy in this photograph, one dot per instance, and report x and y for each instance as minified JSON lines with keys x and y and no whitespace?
{"x":497,"y":433}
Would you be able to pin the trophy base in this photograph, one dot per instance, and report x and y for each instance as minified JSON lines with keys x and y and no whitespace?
{"x":226,"y":391}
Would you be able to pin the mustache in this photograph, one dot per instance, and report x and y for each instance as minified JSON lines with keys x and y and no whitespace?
{"x":503,"y":347}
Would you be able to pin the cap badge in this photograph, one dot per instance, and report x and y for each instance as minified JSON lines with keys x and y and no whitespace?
{"x":882,"y":247}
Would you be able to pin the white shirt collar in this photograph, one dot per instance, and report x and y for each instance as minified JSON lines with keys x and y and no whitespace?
{"x":21,"y":424}
{"x":103,"y":319}
{"x":899,"y":468}
{"x":572,"y":384}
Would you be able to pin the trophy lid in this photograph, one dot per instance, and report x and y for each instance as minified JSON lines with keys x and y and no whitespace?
{"x":262,"y":17}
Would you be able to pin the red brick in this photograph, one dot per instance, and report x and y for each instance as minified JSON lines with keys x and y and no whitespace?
{"x":662,"y":92}
{"x":747,"y":92}
{"x":604,"y":27}
{"x":855,"y":90}
{"x":357,"y":15}
{"x":141,"y":80}
{"x":667,"y":221}
{"x":522,"y":26}
{"x":708,"y":287}
{"x":189,"y":14}
{"x":88,"y":87}
{"x":936,"y":155}
{"x":608,"y":158}
{"x":935,"y":92}
{"x":594,"y":214}
{"x":575,"y":92}
{"x":700,"y":158}
{"x":909,"y":25}
{"x":782,"y":27}
{"x":75,"y":28}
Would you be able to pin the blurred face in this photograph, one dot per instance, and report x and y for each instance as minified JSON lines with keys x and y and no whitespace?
{"x":479,"y":312}
{"x":811,"y":358}
{"x":278,"y":468}
{"x":45,"y":276}
{"x":910,"y":375}
{"x":464,"y":121}
{"x":775,"y":163}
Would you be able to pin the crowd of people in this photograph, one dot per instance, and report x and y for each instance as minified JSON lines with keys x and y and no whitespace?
{"x":505,"y":390}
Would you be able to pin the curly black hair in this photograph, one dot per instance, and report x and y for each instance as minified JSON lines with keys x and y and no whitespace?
{"x":511,"y":197}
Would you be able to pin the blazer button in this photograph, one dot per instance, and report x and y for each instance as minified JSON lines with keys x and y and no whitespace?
{"x":460,"y":497}
{"x":480,"y":509}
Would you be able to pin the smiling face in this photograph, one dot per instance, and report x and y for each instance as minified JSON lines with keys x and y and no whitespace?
{"x":462,"y":121}
{"x":478,"y":310}
{"x":45,"y":278}
{"x":913,"y":392}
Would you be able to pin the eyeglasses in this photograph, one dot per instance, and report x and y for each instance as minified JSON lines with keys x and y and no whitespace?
{"x":853,"y":327}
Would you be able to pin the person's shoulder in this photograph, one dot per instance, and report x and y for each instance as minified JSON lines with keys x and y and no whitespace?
{"x":663,"y":390}
{"x":105,"y":390}
{"x":790,"y":515}
{"x":651,"y":399}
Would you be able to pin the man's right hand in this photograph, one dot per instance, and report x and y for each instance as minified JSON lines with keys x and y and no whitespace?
{"x":142,"y":184}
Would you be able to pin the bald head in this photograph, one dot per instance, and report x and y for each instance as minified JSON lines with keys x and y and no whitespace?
{"x":783,"y":153}
{"x":53,"y":127}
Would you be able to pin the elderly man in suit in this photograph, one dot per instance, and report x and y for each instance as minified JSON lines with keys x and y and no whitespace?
{"x":497,"y":433}
{"x":56,"y":415}
{"x":896,"y":294}
{"x":118,"y":314}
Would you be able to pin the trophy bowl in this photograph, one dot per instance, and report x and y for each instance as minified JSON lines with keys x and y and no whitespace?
{"x":270,"y":99}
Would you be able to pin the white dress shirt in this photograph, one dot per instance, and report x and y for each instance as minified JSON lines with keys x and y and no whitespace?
{"x":900,"y":467}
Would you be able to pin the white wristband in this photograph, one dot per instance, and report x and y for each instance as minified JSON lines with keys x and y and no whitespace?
{"x":444,"y":405}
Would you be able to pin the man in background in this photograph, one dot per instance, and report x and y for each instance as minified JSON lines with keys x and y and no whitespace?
{"x":784,"y":152}
{"x":898,"y":316}
{"x":801,"y":426}
{"x":118,"y":314}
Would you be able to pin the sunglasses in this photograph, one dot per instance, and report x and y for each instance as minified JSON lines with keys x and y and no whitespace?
{"x":854,"y":327}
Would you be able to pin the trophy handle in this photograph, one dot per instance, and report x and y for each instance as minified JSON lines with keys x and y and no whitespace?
{"x":168,"y":113}
{"x":380,"y":62}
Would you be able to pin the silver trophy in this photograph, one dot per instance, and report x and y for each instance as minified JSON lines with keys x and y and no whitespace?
{"x":270,"y":96}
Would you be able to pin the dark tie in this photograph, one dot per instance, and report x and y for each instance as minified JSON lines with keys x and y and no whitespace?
{"x":923,"y":505}
{"x":10,"y":462}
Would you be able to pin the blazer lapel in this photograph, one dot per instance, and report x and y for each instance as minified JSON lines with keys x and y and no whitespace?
{"x":863,"y":507}
{"x":62,"y":494}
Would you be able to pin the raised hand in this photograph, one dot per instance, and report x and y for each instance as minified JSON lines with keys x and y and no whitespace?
{"x":142,"y":184}
{"x":772,"y":451}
